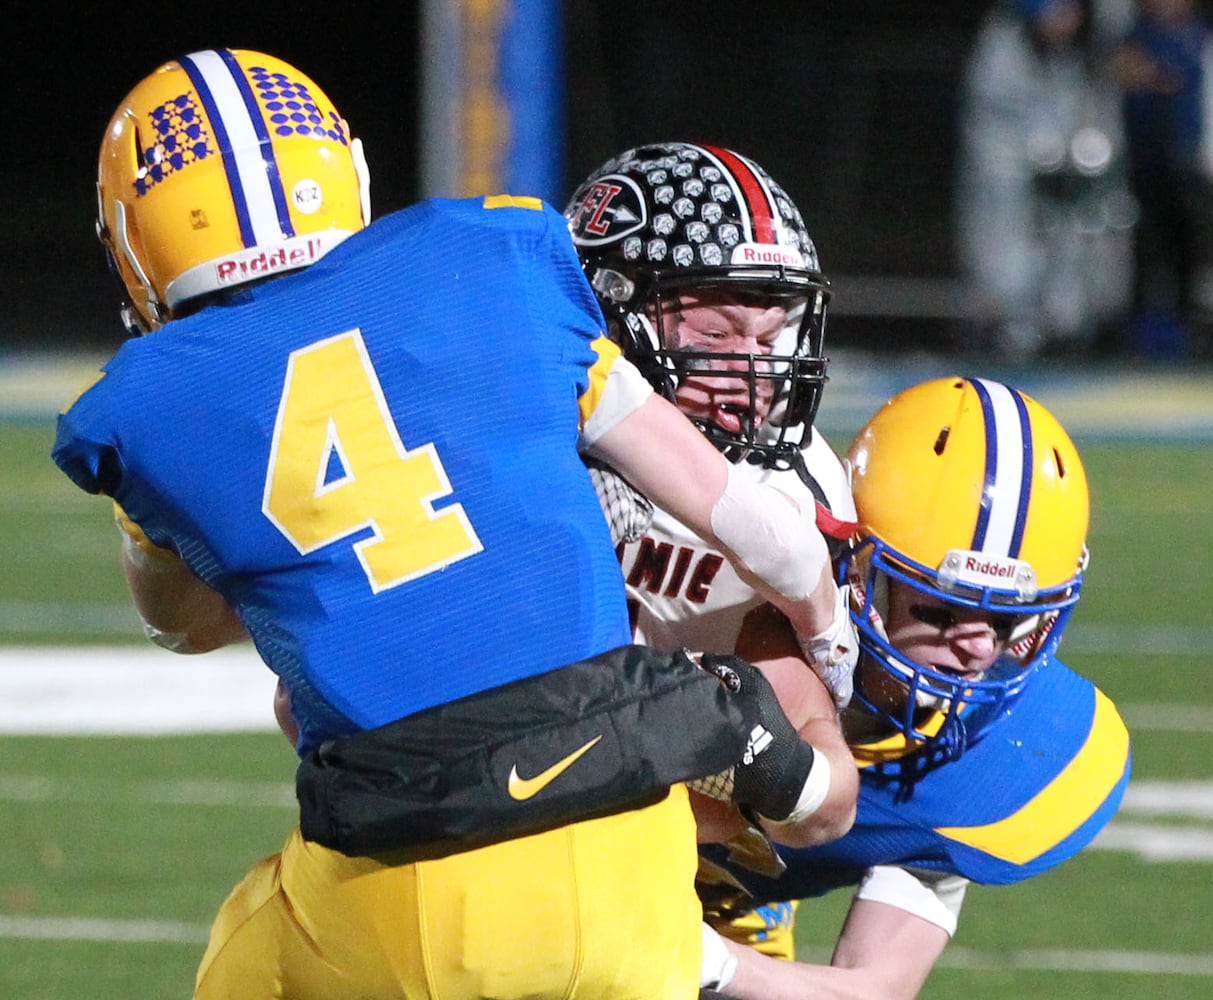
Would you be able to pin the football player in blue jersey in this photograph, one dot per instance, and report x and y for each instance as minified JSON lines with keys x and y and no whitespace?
{"x":982,"y":757}
{"x":304,"y":461}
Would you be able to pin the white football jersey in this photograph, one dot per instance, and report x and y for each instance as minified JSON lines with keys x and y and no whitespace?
{"x":684,"y":592}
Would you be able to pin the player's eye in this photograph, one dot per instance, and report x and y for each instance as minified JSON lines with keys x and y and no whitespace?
{"x":1004,"y":627}
{"x":936,"y":617}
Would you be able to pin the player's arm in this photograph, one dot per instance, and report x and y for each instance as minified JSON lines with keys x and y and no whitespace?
{"x":667,"y":459}
{"x":767,"y":641}
{"x":891,"y":961}
{"x":772,"y":541}
{"x":898,"y":925}
{"x":179,"y":611}
{"x":884,"y":954}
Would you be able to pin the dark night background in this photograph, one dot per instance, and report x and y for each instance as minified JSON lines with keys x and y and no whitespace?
{"x":850,"y":105}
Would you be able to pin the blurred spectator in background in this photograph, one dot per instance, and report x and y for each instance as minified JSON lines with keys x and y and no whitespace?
{"x":1164,"y":70}
{"x":1043,"y":213}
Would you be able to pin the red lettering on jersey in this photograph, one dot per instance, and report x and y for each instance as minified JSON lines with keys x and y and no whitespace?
{"x":680,"y":571}
{"x":701,"y":579}
{"x":651,"y":570}
{"x":651,"y":565}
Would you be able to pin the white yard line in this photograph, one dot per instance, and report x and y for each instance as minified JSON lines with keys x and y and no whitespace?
{"x":142,"y":690}
{"x":135,"y":690}
{"x":1026,"y":960}
{"x":1058,"y":960}
{"x":98,"y":929}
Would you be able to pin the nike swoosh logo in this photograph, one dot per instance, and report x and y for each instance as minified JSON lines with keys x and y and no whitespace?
{"x":522,"y":789}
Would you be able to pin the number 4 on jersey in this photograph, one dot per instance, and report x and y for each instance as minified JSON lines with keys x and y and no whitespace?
{"x":338,"y":467}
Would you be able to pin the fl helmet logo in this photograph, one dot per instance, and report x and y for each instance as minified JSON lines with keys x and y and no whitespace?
{"x":607,"y":210}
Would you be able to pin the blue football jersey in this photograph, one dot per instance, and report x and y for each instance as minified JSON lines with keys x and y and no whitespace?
{"x":374,"y":460}
{"x":1033,"y":792}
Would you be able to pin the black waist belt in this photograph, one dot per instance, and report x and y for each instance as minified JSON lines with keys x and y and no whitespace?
{"x":596,"y":737}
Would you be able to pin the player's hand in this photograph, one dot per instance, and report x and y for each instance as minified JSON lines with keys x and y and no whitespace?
{"x":779,"y":776}
{"x":833,"y":652}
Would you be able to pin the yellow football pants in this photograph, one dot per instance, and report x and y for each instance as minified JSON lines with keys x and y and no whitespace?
{"x":601,"y":910}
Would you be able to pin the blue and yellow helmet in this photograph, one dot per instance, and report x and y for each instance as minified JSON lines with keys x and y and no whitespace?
{"x":223,"y":167}
{"x":971,"y":492}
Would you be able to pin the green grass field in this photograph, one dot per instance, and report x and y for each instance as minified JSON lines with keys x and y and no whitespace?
{"x":117,"y":851}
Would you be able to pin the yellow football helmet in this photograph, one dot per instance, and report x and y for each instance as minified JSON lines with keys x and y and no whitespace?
{"x":220,"y":168}
{"x":971,"y":492}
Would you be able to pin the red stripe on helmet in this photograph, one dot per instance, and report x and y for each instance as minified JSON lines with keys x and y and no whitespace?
{"x":757,"y":196}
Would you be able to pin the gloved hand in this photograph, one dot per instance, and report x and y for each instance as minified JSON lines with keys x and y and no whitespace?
{"x":780,"y":777}
{"x":834,"y":652}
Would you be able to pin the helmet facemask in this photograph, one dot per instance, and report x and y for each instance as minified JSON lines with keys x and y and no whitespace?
{"x":943,"y":710}
{"x":773,"y":397}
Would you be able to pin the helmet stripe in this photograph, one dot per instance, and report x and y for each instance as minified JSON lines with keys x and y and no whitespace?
{"x":753,"y":194}
{"x":264,"y":143}
{"x":248,"y":159}
{"x":1008,"y":470}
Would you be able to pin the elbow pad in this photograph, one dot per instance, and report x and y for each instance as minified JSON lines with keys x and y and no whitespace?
{"x":773,"y":538}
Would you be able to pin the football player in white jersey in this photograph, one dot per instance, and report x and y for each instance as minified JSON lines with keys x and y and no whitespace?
{"x":710,"y":282}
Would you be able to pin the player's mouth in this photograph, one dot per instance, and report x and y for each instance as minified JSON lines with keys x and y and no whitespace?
{"x":960,"y":673}
{"x":729,"y":417}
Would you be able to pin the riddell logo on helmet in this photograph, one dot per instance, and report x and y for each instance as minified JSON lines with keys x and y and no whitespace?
{"x":987,"y":567}
{"x":765,"y":253}
{"x":258,"y":264}
{"x":974,"y":568}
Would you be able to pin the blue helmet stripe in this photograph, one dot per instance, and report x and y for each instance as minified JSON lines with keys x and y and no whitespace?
{"x":218,"y":126}
{"x":1025,"y":479}
{"x":1007,"y":485}
{"x":983,"y":510}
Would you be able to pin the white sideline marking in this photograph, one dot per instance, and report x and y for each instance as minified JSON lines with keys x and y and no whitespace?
{"x":186,"y":792}
{"x":1058,"y":960}
{"x":143,"y":690}
{"x":1165,"y":718}
{"x":1153,"y":843}
{"x":1169,"y":798}
{"x":1141,"y":640}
